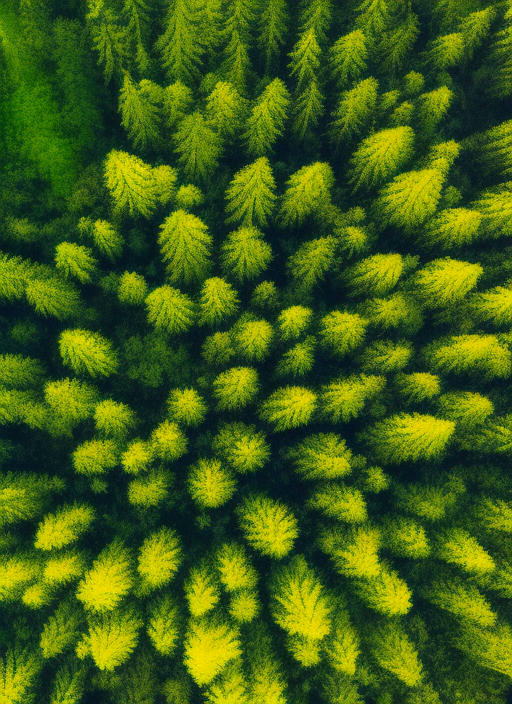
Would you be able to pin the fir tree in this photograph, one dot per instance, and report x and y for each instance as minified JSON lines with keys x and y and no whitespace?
{"x":473,"y":354}
{"x":202,"y":589}
{"x":163,"y":625}
{"x":493,"y":306}
{"x":198,"y":146}
{"x":447,"y":51}
{"x":457,"y":546}
{"x":342,"y":644}
{"x":321,"y":456}
{"x":217,"y":348}
{"x":348,"y":57}
{"x":345,"y":398}
{"x":139,"y":107}
{"x":501,"y":61}
{"x":289,"y":407}
{"x":451,"y":228}
{"x":343,"y":503}
{"x":293,"y":321}
{"x":495,"y":207}
{"x":385,"y":356}
{"x":307,"y":192}
{"x":426,"y":501}
{"x":209,"y":646}
{"x":64,"y":568}
{"x":170,"y":310}
{"x":462,"y":599}
{"x":377,"y":274}
{"x":75,"y":260}
{"x":354,"y":552}
{"x":95,"y":457}
{"x":238,"y":24}
{"x":268,"y":525}
{"x":245,"y":254}
{"x":433,"y":107}
{"x":272,"y":29}
{"x":342,"y":332}
{"x":63,"y":527}
{"x":111,"y":639}
{"x":443,"y":282}
{"x":14,"y":274}
{"x":400,"y":311}
{"x":131,"y":183}
{"x":108,"y":581}
{"x":298,"y":360}
{"x":488,"y":647}
{"x":226,"y":109}
{"x":106,"y":239}
{"x":70,"y":401}
{"x":186,"y":406}
{"x":51,"y":295}
{"x":405,"y":537}
{"x":235,"y":569}
{"x":387,"y":593}
{"x":354,"y":110}
{"x":87,"y":352}
{"x":495,"y":514}
{"x":244,"y":449}
{"x":150,"y":490}
{"x":114,"y":419}
{"x":160,"y":556}
{"x":411,"y":198}
{"x":373,"y":16}
{"x":210,"y":485}
{"x":185,"y":244}
{"x":109,"y":36}
{"x":251,"y":195}
{"x":252,"y":338}
{"x":138,"y":13}
{"x":136,"y":457}
{"x":61,"y":630}
{"x":266,"y":121}
{"x":168,"y":441}
{"x":418,"y":386}
{"x":180,"y":45}
{"x":398,"y":41}
{"x":235,"y":388}
{"x":18,"y":671}
{"x":380,"y":156}
{"x":17,"y":371}
{"x":311,"y":262}
{"x":395,"y":652}
{"x":177,"y":98}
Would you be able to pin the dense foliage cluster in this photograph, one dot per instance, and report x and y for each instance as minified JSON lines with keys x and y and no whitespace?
{"x":255,"y":351}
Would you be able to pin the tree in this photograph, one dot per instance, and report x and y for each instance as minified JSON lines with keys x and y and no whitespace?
{"x":308,"y":105}
{"x":245,"y":254}
{"x":210,"y":645}
{"x":266,"y":121}
{"x":218,"y":300}
{"x":181,"y":44}
{"x":69,"y":684}
{"x":111,"y":639}
{"x":348,"y":57}
{"x":289,"y":407}
{"x":109,"y":37}
{"x":495,"y":514}
{"x":457,"y":546}
{"x":373,"y":17}
{"x":425,"y":500}
{"x":235,"y":569}
{"x":242,"y":447}
{"x":293,"y":321}
{"x":74,"y":260}
{"x":298,"y":360}
{"x":311,"y":262}
{"x":198,"y":146}
{"x":210,"y":485}
{"x":87,"y":352}
{"x":443,"y":282}
{"x":61,"y":630}
{"x":163,"y":626}
{"x":354,"y":110}
{"x":268,"y":525}
{"x":170,"y":310}
{"x":186,"y":406}
{"x":151,"y":489}
{"x":251,"y":194}
{"x":377,"y":274}
{"x":138,"y":14}
{"x":385,"y":592}
{"x":433,"y":107}
{"x":18,"y":671}
{"x":380,"y":156}
{"x":466,"y":408}
{"x":136,"y":457}
{"x":225,"y":109}
{"x":109,"y":580}
{"x":411,"y":198}
{"x":493,"y":305}
{"x":51,"y":295}
{"x":398,"y":41}
{"x":307,"y":192}
{"x":400,"y":311}
{"x":114,"y":419}
{"x":202,"y":589}
{"x":95,"y":457}
{"x":139,"y":105}
{"x":177,"y":98}
{"x":62,"y":569}
{"x":395,"y":652}
{"x":107,"y":239}
{"x":385,"y":356}
{"x":342,"y":643}
{"x":70,"y":401}
{"x":65,"y":526}
{"x":462,"y":599}
{"x":447,"y":50}
{"x":495,"y":207}
{"x":451,"y":228}
{"x":405,"y":537}
{"x":186,"y":245}
{"x":488,"y":647}
{"x":17,"y":371}
{"x":474,"y":28}
{"x":252,"y":338}
{"x":418,"y":386}
{"x":344,"y":399}
{"x":160,"y":556}
{"x":474,"y":354}
{"x":343,"y":503}
{"x":354,"y":551}
{"x":131,"y":183}
{"x":235,"y":388}
{"x":342,"y":332}
{"x":500,"y":57}
{"x":321,"y":456}
{"x":168,"y":441}
{"x":273,"y":28}
{"x":14,"y":274}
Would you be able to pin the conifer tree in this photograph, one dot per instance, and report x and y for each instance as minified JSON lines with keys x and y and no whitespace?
{"x":218,"y":300}
{"x":87,"y":352}
{"x":18,"y":671}
{"x":170,"y":310}
{"x":387,"y":593}
{"x":251,"y":195}
{"x":210,"y":484}
{"x":432,"y":107}
{"x":238,"y":26}
{"x":493,"y":305}
{"x":451,"y":228}
{"x":401,"y":311}
{"x":202,"y":589}
{"x":473,"y":354}
{"x":70,"y":401}
{"x":95,"y":457}
{"x":235,"y":388}
{"x":395,"y":652}
{"x":64,"y":568}
{"x":136,"y":457}
{"x":163,"y":626}
{"x":177,"y":98}
{"x":272,"y":29}
{"x":405,"y":537}
{"x":488,"y":647}
{"x":114,"y":419}
{"x":252,"y":338}
{"x":268,"y":525}
{"x":242,"y":447}
{"x":168,"y":441}
{"x":495,"y":514}
{"x":344,"y":399}
{"x":307,"y":192}
{"x":426,"y":501}
{"x":495,"y":207}
{"x":308,"y":104}
{"x":20,"y":372}
{"x":354,"y":110}
{"x":63,"y":527}
{"x":109,"y":36}
{"x":293,"y":321}
{"x":51,"y":295}
{"x":235,"y":569}
{"x":385,"y":356}
{"x":380,"y":156}
{"x":138,"y":13}
{"x":321,"y":456}
{"x":111,"y":639}
{"x":373,"y":17}
{"x":298,"y":360}
{"x":377,"y":274}
{"x":289,"y":407}
{"x":108,"y":581}
{"x":69,"y":684}
{"x":417,"y":386}
{"x":14,"y":274}
{"x":210,"y":644}
{"x":447,"y":51}
{"x":131,"y":183}
{"x":151,"y":489}
{"x":74,"y":260}
{"x":186,"y":406}
{"x":458,"y":547}
{"x":245,"y":254}
{"x":443,"y":282}
{"x":185,"y":244}
{"x":180,"y":45}
{"x":342,"y":644}
{"x":61,"y":630}
{"x":466,"y":408}
{"x":354,"y":551}
{"x":226,"y":109}
{"x":139,"y":107}
{"x":198,"y":146}
{"x":342,"y":332}
{"x":312,"y":260}
{"x":266,"y":121}
{"x":106,"y":239}
{"x":348,"y":57}
{"x":343,"y":503}
{"x":160,"y":556}
{"x":501,"y":62}
{"x":462,"y":599}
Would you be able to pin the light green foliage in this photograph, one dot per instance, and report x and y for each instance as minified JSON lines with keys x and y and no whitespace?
{"x":321,"y":456}
{"x":411,"y":198}
{"x":405,"y":537}
{"x":229,"y":688}
{"x":239,"y":21}
{"x":418,"y":386}
{"x":373,"y":16}
{"x":108,"y":581}
{"x":342,"y":644}
{"x":177,"y":98}
{"x":95,"y":457}
{"x":397,"y":43}
{"x":51,"y":295}
{"x":493,"y":149}
{"x":244,"y":605}
{"x":433,"y":107}
{"x":447,"y":50}
{"x":375,"y":480}
{"x":385,"y":356}
{"x":490,"y":648}
{"x":68,"y":684}
{"x":235,"y":569}
{"x":399,"y":311}
{"x":165,"y":179}
{"x":406,"y":436}
{"x":426,"y":501}
{"x":70,"y":401}
{"x":462,"y":599}
{"x":64,"y":568}
{"x":289,"y":407}
{"x":198,"y":146}
{"x":386,"y":593}
{"x":312,"y":261}
{"x":354,"y":551}
{"x":395,"y":652}
{"x":307,"y":192}
{"x":163,"y":624}
{"x":344,"y":399}
{"x":348,"y":57}
{"x":108,"y":35}
{"x":468,"y":409}
{"x":160,"y":556}
{"x":186,"y":406}
{"x":131,"y":183}
{"x":63,"y":527}
{"x":251,"y":194}
{"x":180,"y":45}
{"x":18,"y":671}
{"x":377,"y":274}
{"x":244,"y":449}
{"x":107,"y":239}
{"x":113,"y":419}
{"x":188,"y":196}
{"x":474,"y":28}
{"x":76,"y":261}
{"x":293,"y":321}
{"x":473,"y":354}
{"x":273,"y":21}
{"x":266,"y":122}
{"x":245,"y":254}
{"x":60,"y":630}
{"x":493,"y":305}
{"x":209,"y":646}
{"x":381,"y":156}
{"x":168,"y":441}
{"x":268,"y":525}
{"x":343,"y":503}
{"x":87,"y":352}
{"x":112,"y":638}
{"x":342,"y":332}
{"x":451,"y":228}
{"x":139,"y":107}
{"x":218,"y":300}
{"x":298,"y":360}
{"x":170,"y":310}
{"x":235,"y":388}
{"x":354,"y":110}
{"x":443,"y":282}
{"x":185,"y":245}
{"x":202,"y":589}
{"x":225,"y":109}
{"x":16,"y":572}
{"x":265,"y":295}
{"x":136,"y":457}
{"x":495,"y":207}
{"x":458,"y":547}
{"x":495,"y":514}
{"x":14,"y":274}
{"x":502,"y":63}
{"x":307,"y":109}
{"x":252,"y":338}
{"x":210,"y":485}
{"x":151,"y":489}
{"x":20,"y":372}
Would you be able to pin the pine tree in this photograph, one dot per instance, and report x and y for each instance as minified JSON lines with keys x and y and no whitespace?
{"x":136,"y":457}
{"x":298,"y":360}
{"x":467,"y":409}
{"x":163,"y":626}
{"x":186,"y":245}
{"x":65,"y":526}
{"x":74,"y":260}
{"x":307,"y":192}
{"x":87,"y":352}
{"x":458,"y":547}
{"x":374,"y":16}
{"x":138,"y":13}
{"x":354,"y":110}
{"x":180,"y":45}
{"x":160,"y":556}
{"x":447,"y":51}
{"x":70,"y":401}
{"x":17,"y":572}
{"x":226,"y":109}
{"x":238,"y":25}
{"x":348,"y":57}
{"x":177,"y":98}
{"x":312,"y":261}
{"x":495,"y":207}
{"x":342,"y":332}
{"x":344,"y":399}
{"x":288,"y":407}
{"x":168,"y":441}
{"x":398,"y":41}
{"x":266,"y":121}
{"x":387,"y":593}
{"x":354,"y":551}
{"x":418,"y":386}
{"x":342,"y":644}
{"x":107,"y":239}
{"x":245,"y":254}
{"x":411,"y":198}
{"x":252,"y":338}
{"x":495,"y":514}
{"x":170,"y":310}
{"x":272,"y":29}
{"x":210,"y":645}
{"x":321,"y":456}
{"x":18,"y":671}
{"x":139,"y":105}
{"x":461,"y":599}
{"x":23,"y":495}
{"x":501,"y":74}
{"x":432,"y":107}
{"x":244,"y":449}
{"x":198,"y":146}
{"x":380,"y":156}
{"x":202,"y":589}
{"x":95,"y":457}
{"x":210,"y":484}
{"x":235,"y":388}
{"x":14,"y":274}
{"x":151,"y":489}
{"x":114,"y":419}
{"x":265,"y":296}
{"x":268,"y":525}
{"x":395,"y":652}
{"x":251,"y":194}
{"x":112,"y":638}
{"x":386,"y":356}
{"x":377,"y":274}
{"x":51,"y":295}
{"x":443,"y":282}
{"x":293,"y":321}
{"x":405,"y":537}
{"x":131,"y":183}
{"x":426,"y":501}
{"x":235,"y":569}
{"x":69,"y":684}
{"x":493,"y":305}
{"x":64,"y":568}
{"x":108,"y":581}
{"x":343,"y":503}
{"x":109,"y":36}
{"x":186,"y":406}
{"x":472,"y":354}
{"x":400,"y":311}
{"x":488,"y":647}
{"x":450,"y":228}
{"x":61,"y":630}
{"x":20,"y":372}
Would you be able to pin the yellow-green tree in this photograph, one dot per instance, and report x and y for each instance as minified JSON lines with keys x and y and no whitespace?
{"x":18,"y":671}
{"x":307,"y":192}
{"x":139,"y":105}
{"x":471,"y":354}
{"x":160,"y":556}
{"x":443,"y":282}
{"x":312,"y":261}
{"x":425,"y":500}
{"x":268,"y":525}
{"x":107,"y":239}
{"x":170,"y":310}
{"x":109,"y":580}
{"x":462,"y":599}
{"x":395,"y":652}
{"x":289,"y":407}
{"x":293,"y":321}
{"x":202,"y":589}
{"x":114,"y":419}
{"x":235,"y":569}
{"x":251,"y":194}
{"x":87,"y":352}
{"x":348,"y":57}
{"x":344,"y":503}
{"x":65,"y":526}
{"x":218,"y":300}
{"x":376,"y":275}
{"x":109,"y":36}
{"x":405,"y":537}
{"x":385,"y":356}
{"x":488,"y":647}
{"x":151,"y":489}
{"x":131,"y":183}
{"x":381,"y":156}
{"x":61,"y":630}
{"x":321,"y":456}
{"x":164,"y":624}
{"x":168,"y":441}
{"x":210,"y":644}
{"x":198,"y":146}
{"x":252,"y":338}
{"x":273,"y":28}
{"x":298,"y":360}
{"x":354,"y":111}
{"x":341,"y":331}
{"x":111,"y":639}
{"x":451,"y":228}
{"x":180,"y":45}
{"x":386,"y":592}
{"x":235,"y":388}
{"x":210,"y":484}
{"x":245,"y":254}
{"x":266,"y":121}
{"x":76,"y":261}
{"x":493,"y":305}
{"x":69,"y":401}
{"x":185,"y":244}
{"x":226,"y":109}
{"x":456,"y":546}
{"x":186,"y":406}
{"x":94,"y":457}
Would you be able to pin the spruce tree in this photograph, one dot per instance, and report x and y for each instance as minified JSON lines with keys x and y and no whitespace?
{"x":185,"y":245}
{"x":266,"y":121}
{"x":251,"y":195}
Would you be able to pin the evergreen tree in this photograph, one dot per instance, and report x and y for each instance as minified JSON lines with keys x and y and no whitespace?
{"x":180,"y":45}
{"x":343,"y":503}
{"x":342,"y":644}
{"x":235,"y":388}
{"x":51,"y":295}
{"x":426,"y":501}
{"x":86,"y":351}
{"x":312,"y":260}
{"x":345,"y":398}
{"x":268,"y":525}
{"x":138,"y":13}
{"x":244,"y":449}
{"x":150,"y":490}
{"x":140,"y":110}
{"x":433,"y":107}
{"x":405,"y":537}
{"x":501,"y":62}
{"x":373,"y":17}
{"x":136,"y":457}
{"x":380,"y":156}
{"x":186,"y":406}
{"x":495,"y":207}
{"x":226,"y":109}
{"x":177,"y":98}
{"x":210,"y":644}
{"x":266,"y":121}
{"x":443,"y":282}
{"x":307,"y":192}
{"x":63,"y":527}
{"x":168,"y":441}
{"x":495,"y":514}
{"x":108,"y":581}
{"x":451,"y":228}
{"x":131,"y":183}
{"x":272,"y":29}
{"x":466,"y":408}
{"x":238,"y":26}
{"x":109,"y":36}
{"x":160,"y":556}
{"x":106,"y":239}
{"x":298,"y":360}
{"x":354,"y":551}
{"x":463,"y":600}
{"x":245,"y":254}
{"x":210,"y":485}
{"x":235,"y":569}
{"x":17,"y":371}
{"x":488,"y":647}
{"x":14,"y":274}
{"x":400,"y":311}
{"x":308,"y":104}
{"x":348,"y":57}
{"x":354,"y":110}
{"x":61,"y":630}
{"x":198,"y":146}
{"x":163,"y":626}
{"x":473,"y":354}
{"x":418,"y":386}
{"x":18,"y":671}
{"x":321,"y":456}
{"x":24,"y":495}
{"x":293,"y":321}
{"x":251,"y":195}
{"x":395,"y":652}
{"x":252,"y":338}
{"x":113,"y":419}
{"x":95,"y":457}
{"x":494,"y":305}
{"x":186,"y":245}
{"x":70,"y":401}
{"x":170,"y":310}
{"x":447,"y":51}
{"x":386,"y":592}
{"x":202,"y":589}
{"x":74,"y":260}
{"x":385,"y":356}
{"x":111,"y":639}
{"x":377,"y":274}
{"x":289,"y":407}
{"x":458,"y":547}
{"x":342,"y":332}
